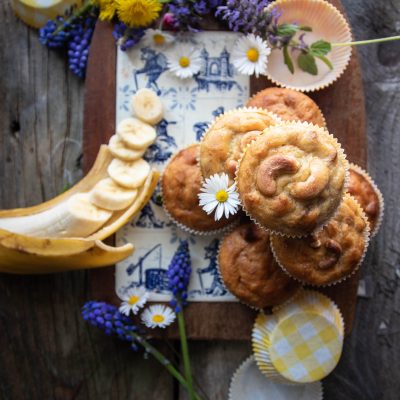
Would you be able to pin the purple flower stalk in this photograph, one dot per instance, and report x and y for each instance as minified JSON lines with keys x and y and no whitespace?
{"x":126,"y":37}
{"x":178,"y":273}
{"x":54,"y":34}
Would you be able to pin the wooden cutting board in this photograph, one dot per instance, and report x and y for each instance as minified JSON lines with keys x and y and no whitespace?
{"x":343,"y":107}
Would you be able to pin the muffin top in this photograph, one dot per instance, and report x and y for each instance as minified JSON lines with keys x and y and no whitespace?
{"x":291,"y":179}
{"x":329,"y":255}
{"x":181,"y":183}
{"x":367,"y":194}
{"x":225,"y":140}
{"x":249,"y":269}
{"x":288,"y":104}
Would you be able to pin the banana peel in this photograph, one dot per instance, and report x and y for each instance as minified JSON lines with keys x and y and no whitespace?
{"x":21,"y":254}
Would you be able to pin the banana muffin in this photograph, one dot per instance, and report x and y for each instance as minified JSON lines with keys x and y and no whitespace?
{"x":330,"y":255}
{"x":291,"y":179}
{"x":249,"y":270}
{"x":365,"y":191}
{"x":181,"y":183}
{"x":288,"y":104}
{"x":225,"y":140}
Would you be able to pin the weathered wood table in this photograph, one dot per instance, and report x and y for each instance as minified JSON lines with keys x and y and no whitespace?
{"x":48,"y":352}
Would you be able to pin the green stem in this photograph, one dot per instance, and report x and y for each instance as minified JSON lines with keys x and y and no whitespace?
{"x":164,"y":362}
{"x":185,"y":354}
{"x":387,"y":39}
{"x":86,"y":7}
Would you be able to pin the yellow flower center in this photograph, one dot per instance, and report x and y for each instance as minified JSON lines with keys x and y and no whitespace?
{"x":222,"y":196}
{"x":159,"y":39}
{"x":184,"y":62}
{"x":133,"y":300}
{"x":252,"y":54}
{"x":158,"y":318}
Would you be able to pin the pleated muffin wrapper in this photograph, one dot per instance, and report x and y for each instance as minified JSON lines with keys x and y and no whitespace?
{"x":252,"y":306}
{"x":248,"y":383}
{"x":346,"y":165}
{"x":367,"y":238}
{"x":381,"y":200}
{"x":234,"y":111}
{"x":235,"y":218}
{"x":328,"y":24}
{"x":309,"y":302}
{"x":322,"y":114}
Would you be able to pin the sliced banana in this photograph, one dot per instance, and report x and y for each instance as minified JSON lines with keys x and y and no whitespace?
{"x":111,"y":196}
{"x":146,"y":105}
{"x":118,"y":149}
{"x":129,"y":174}
{"x":135,"y":133}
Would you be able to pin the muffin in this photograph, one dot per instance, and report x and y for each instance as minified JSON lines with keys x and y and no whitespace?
{"x":249,"y":270}
{"x":181,"y":183}
{"x":223,"y":143}
{"x":288,"y":104}
{"x":330,"y":255}
{"x":364,"y":189}
{"x":291,"y":179}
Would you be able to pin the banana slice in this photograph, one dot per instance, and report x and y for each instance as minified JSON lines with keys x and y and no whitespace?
{"x":129,"y":174}
{"x":147,"y":106}
{"x":135,"y":133}
{"x":118,"y":149}
{"x":111,"y":196}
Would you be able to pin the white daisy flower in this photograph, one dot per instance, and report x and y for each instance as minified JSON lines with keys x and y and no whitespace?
{"x":133,"y":300}
{"x":185,"y":60}
{"x":158,"y":316}
{"x":157,"y":38}
{"x":250,"y":55}
{"x":218,"y":195}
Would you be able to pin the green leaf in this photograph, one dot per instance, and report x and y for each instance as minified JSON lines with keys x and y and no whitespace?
{"x":287,"y":59}
{"x":305,"y":28}
{"x":320,"y":48}
{"x":287,"y":29}
{"x":326,"y":61}
{"x":307,"y":63}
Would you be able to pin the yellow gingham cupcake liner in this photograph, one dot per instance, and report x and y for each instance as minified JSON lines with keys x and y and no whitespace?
{"x":301,"y":342}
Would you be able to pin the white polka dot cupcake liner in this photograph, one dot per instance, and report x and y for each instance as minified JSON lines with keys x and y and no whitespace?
{"x":248,"y":383}
{"x":327,"y":23}
{"x":367,"y":238}
{"x":346,"y":165}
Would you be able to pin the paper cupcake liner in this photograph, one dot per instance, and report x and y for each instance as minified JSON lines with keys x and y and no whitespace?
{"x":367,"y":176}
{"x":234,"y":111}
{"x":192,"y":231}
{"x":247,"y":383}
{"x":367,"y":238}
{"x":328,"y":24}
{"x":322,"y":114}
{"x":346,"y":165}
{"x":307,"y":302}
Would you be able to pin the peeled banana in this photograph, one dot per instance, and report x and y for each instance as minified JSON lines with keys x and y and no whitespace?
{"x":135,"y":133}
{"x":147,"y":106}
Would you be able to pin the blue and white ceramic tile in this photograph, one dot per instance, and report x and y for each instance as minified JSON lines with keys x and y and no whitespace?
{"x":190,"y":105}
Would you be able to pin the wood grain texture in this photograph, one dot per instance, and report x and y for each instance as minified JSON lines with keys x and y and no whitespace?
{"x":344,"y":110}
{"x":49,"y":353}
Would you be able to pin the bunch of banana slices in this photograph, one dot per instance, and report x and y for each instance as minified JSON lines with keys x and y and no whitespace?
{"x":67,"y":232}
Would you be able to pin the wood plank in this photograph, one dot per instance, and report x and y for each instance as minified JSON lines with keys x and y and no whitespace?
{"x":343,"y":107}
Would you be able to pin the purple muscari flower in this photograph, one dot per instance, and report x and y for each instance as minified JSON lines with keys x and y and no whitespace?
{"x":178,"y":273}
{"x":126,"y":37}
{"x":78,"y":47}
{"x":110,"y":320}
{"x":246,"y":16}
{"x":52,"y":39}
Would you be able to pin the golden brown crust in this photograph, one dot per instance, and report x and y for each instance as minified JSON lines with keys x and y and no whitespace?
{"x":224,"y":142}
{"x":330,"y":255}
{"x":181,"y":184}
{"x":363,"y":190}
{"x":291,"y":178}
{"x":249,"y":269}
{"x":288,"y":104}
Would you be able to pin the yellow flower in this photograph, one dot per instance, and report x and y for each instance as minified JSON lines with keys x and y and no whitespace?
{"x":138,"y":13}
{"x":107,"y":9}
